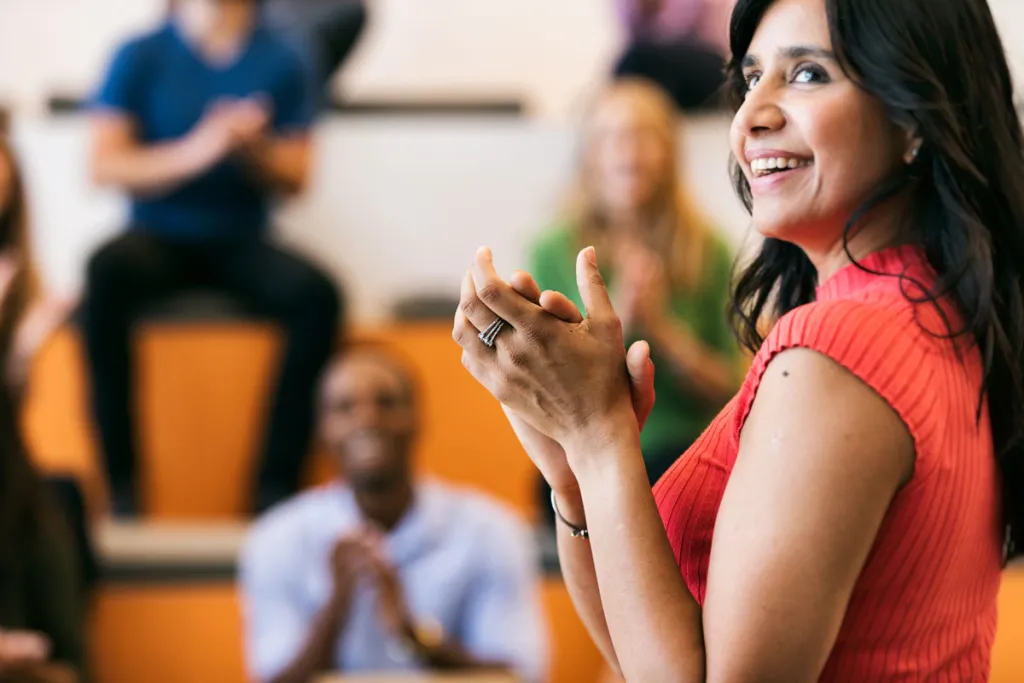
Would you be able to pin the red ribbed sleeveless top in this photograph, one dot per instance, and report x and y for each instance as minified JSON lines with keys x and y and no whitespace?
{"x":924,"y":606}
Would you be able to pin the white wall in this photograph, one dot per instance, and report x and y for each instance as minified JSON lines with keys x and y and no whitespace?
{"x":546,"y":51}
{"x":549,"y":51}
{"x":397,"y":206}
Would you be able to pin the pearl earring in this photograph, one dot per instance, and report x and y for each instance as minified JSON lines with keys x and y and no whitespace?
{"x":911,"y":156}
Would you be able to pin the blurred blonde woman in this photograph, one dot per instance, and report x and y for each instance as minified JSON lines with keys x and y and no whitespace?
{"x":666,"y":268}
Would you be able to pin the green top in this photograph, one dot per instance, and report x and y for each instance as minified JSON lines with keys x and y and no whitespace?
{"x":679,"y":416}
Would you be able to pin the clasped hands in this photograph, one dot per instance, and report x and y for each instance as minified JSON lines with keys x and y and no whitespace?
{"x":232,"y":125}
{"x":565,"y":381}
{"x":359,"y":555}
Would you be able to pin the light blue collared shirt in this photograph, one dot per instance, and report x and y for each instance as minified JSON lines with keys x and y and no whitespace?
{"x":465,"y":562}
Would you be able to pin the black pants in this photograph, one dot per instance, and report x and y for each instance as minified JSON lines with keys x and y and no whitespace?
{"x":690,"y":72}
{"x":138,"y":269}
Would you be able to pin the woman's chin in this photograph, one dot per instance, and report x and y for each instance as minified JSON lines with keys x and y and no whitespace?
{"x":773,"y":224}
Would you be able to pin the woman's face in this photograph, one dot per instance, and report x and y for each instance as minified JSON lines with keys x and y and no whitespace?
{"x":629,"y":156}
{"x":810,"y":142}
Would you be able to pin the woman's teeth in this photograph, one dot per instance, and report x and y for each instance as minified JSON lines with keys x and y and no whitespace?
{"x":768,"y":165}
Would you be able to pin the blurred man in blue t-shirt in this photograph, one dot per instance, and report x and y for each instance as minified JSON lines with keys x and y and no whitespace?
{"x":203,"y":122}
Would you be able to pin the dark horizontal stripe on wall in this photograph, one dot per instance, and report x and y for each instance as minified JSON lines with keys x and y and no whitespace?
{"x":511,"y":107}
{"x":152,"y":573}
{"x":429,"y":107}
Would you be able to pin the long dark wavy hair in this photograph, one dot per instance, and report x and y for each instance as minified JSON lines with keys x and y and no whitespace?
{"x":940,"y":70}
{"x":26,"y":510}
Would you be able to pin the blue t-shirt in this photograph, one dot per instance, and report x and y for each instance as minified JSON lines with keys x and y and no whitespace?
{"x":164,"y":85}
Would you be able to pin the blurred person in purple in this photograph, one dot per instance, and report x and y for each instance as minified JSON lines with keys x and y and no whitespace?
{"x":678,"y":44}
{"x":205,"y":122}
{"x":384,"y":570}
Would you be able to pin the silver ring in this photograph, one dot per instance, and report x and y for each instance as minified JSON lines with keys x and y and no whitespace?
{"x":490,"y":333}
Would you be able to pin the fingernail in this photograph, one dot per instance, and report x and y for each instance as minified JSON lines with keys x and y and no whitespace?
{"x":592,"y":256}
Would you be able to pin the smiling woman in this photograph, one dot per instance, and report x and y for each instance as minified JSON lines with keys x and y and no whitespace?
{"x":842,"y":518}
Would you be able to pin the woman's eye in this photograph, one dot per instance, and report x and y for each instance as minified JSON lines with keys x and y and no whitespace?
{"x":752,"y":80}
{"x":810,"y":74}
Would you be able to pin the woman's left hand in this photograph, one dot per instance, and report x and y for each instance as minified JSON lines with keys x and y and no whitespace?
{"x":651,"y":289}
{"x":567,"y":380}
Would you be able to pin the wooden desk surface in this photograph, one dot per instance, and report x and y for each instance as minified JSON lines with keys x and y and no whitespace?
{"x":477,"y":677}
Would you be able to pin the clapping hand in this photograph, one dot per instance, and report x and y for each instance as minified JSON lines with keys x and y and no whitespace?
{"x":561,"y":378}
{"x":358,"y":555}
{"x":230,"y":125}
{"x":392,"y":608}
{"x":349,"y":561}
{"x":250,"y":118}
{"x":642,"y":289}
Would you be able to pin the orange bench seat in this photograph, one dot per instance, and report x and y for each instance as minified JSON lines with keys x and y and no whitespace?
{"x":202,"y":392}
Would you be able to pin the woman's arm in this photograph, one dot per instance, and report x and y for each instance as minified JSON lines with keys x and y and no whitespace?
{"x":575,"y":556}
{"x":576,"y":561}
{"x":653,"y":622}
{"x":821,"y":457}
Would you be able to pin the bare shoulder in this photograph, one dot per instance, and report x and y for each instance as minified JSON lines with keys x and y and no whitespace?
{"x":821,"y":457}
{"x":823,"y":410}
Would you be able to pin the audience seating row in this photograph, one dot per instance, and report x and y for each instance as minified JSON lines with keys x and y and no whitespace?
{"x":201,"y":403}
{"x":167,"y":610}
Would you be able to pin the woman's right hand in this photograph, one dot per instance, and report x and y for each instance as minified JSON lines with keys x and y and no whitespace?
{"x":545,"y":452}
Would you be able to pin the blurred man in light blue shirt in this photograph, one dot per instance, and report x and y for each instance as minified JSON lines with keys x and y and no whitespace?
{"x":386,"y":572}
